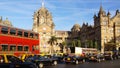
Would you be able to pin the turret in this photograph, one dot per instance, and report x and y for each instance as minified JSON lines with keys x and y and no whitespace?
{"x":101,"y":12}
{"x":117,"y":11}
{"x":108,"y":14}
{"x":94,"y":16}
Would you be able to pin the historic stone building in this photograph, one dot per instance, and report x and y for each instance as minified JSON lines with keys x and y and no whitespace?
{"x":5,"y":22}
{"x":43,"y":24}
{"x":107,"y":29}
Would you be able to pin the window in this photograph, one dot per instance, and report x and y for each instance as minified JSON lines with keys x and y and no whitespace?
{"x":25,"y":34}
{"x":111,"y":30}
{"x":13,"y":59}
{"x":20,"y":48}
{"x":31,"y":35}
{"x":4,"y":30}
{"x":118,"y":30}
{"x":26,"y":48}
{"x":19,"y":33}
{"x":12,"y":31}
{"x":4,"y":47}
{"x":12,"y":48}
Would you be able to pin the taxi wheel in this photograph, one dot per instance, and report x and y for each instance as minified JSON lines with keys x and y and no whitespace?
{"x":76,"y":62}
{"x":55,"y":63}
{"x":40,"y":65}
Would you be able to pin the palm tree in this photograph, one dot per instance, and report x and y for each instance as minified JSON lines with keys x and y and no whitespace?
{"x":64,"y":46}
{"x":52,"y":41}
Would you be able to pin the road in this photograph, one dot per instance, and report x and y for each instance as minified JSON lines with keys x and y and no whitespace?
{"x":105,"y":64}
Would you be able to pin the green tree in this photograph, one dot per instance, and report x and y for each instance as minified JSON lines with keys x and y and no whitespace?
{"x":64,"y":43}
{"x":52,"y":41}
{"x":73,"y":43}
{"x":78,"y":43}
{"x":96,"y":44}
{"x":87,"y":43}
{"x":91,"y":44}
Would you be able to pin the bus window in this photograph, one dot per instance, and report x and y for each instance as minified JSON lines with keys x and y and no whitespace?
{"x":4,"y":30}
{"x":12,"y":48}
{"x":20,"y":48}
{"x":19,"y":33}
{"x":26,"y":48}
{"x":4,"y":47}
{"x":12,"y":31}
{"x":25,"y":34}
{"x":36,"y":36}
{"x":33,"y":48}
{"x":31,"y":35}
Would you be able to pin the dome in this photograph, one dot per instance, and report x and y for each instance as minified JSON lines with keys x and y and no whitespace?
{"x":7,"y":22}
{"x":76,"y":27}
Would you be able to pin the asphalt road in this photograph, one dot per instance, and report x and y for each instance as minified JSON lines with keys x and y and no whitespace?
{"x":105,"y":64}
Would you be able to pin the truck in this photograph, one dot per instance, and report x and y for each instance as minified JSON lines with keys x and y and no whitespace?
{"x":80,"y":51}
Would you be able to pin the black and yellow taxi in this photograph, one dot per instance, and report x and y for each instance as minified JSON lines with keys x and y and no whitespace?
{"x":73,"y":59}
{"x":42,"y":60}
{"x":11,"y":61}
{"x":24,"y":56}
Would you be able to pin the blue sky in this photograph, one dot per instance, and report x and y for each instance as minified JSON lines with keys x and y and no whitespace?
{"x":65,"y":13}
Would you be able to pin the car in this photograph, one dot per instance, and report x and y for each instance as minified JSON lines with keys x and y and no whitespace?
{"x":108,"y":55}
{"x":24,"y":56}
{"x":96,"y":57}
{"x":11,"y":61}
{"x":41,"y":61}
{"x":73,"y":59}
{"x":58,"y":57}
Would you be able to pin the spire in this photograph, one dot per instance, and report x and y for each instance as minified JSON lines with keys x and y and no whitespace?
{"x":101,"y":12}
{"x":43,"y":3}
{"x":117,"y":11}
{"x":94,"y":15}
{"x":101,"y":9}
{"x":108,"y":14}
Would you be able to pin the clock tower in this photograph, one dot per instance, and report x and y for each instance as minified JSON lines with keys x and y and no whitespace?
{"x":43,"y":24}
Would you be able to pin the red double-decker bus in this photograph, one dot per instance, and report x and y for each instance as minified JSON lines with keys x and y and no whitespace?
{"x":18,"y":41}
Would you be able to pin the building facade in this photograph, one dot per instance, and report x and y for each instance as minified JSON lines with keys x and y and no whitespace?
{"x":5,"y":22}
{"x":107,"y":29}
{"x":104,"y":33}
{"x":43,"y":24}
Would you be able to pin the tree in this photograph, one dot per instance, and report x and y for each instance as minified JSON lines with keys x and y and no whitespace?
{"x":64,"y":47}
{"x":96,"y":45}
{"x":73,"y":43}
{"x":91,"y":44}
{"x":52,"y":41}
{"x":87,"y":43}
{"x":78,"y":43}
